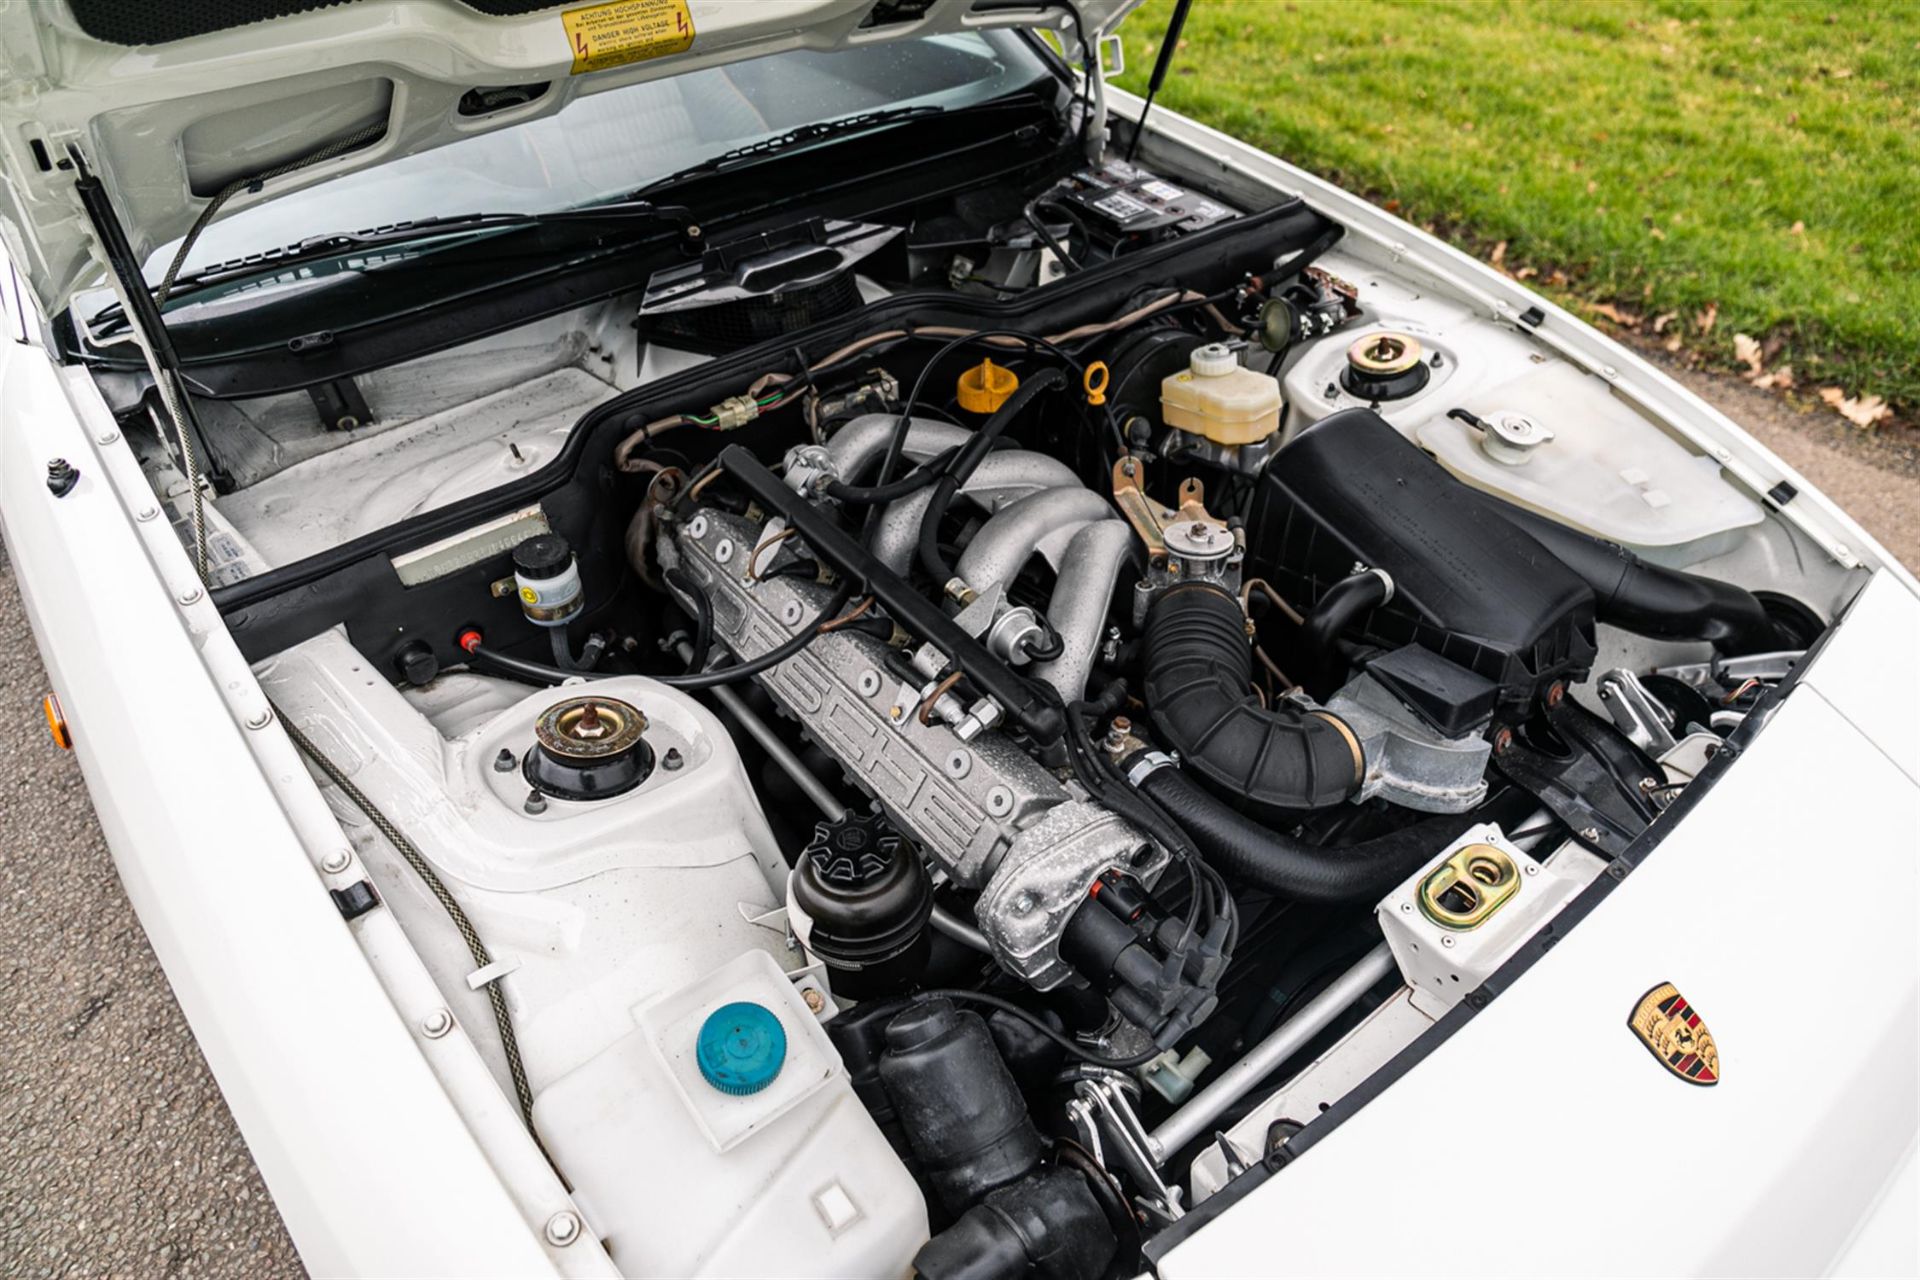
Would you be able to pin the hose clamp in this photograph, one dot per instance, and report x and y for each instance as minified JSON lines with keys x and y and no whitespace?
{"x":1148,"y":762}
{"x":1386,"y":579}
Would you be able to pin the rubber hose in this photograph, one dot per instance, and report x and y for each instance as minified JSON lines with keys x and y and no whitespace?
{"x":874,"y":495}
{"x":1650,"y":599}
{"x":1335,"y":611}
{"x":1255,"y":855}
{"x":967,"y":461}
{"x":1199,"y":695}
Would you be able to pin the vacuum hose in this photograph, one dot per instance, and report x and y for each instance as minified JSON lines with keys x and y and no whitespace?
{"x":965,"y":463}
{"x":1199,"y":695}
{"x":1255,"y":855}
{"x":1649,"y":599}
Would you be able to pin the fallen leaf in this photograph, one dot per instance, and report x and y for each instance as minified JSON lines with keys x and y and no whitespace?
{"x":1673,"y":343}
{"x":1861,"y":411}
{"x":1704,"y":321}
{"x":1660,"y":322}
{"x":1592,"y":186}
{"x":1656,"y":233}
{"x":1557,"y":278}
{"x":1392,"y":206}
{"x":1780,"y":379}
{"x":1747,"y":352}
{"x":1797,"y":229}
{"x":1525,"y":273}
{"x":1615,"y":314}
{"x":1793,"y":117}
{"x":1499,"y":254}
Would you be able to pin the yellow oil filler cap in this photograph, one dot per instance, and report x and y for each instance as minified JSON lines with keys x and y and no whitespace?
{"x":985,"y":387}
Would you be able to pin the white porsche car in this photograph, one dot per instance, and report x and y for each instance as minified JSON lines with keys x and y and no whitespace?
{"x":792,"y":639}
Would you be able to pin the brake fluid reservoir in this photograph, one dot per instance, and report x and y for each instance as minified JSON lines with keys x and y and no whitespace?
{"x":1220,"y":400}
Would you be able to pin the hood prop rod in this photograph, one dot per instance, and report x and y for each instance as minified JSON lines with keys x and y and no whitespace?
{"x":162,"y":361}
{"x":1169,"y":41}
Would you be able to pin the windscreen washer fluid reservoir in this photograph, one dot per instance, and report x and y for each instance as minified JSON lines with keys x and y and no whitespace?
{"x":1557,"y":441}
{"x":721,"y":1137}
{"x":1219,"y":399}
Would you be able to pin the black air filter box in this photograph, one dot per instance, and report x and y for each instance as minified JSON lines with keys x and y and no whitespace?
{"x":1350,"y":490}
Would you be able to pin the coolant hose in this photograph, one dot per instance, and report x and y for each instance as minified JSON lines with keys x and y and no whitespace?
{"x":1200,"y":697}
{"x":1649,"y":599}
{"x":1244,"y":850}
{"x":967,"y":460}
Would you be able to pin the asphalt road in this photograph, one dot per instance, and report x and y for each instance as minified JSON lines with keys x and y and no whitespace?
{"x":117,"y":1155}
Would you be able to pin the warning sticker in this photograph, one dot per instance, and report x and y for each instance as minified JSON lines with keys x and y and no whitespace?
{"x":613,"y":35}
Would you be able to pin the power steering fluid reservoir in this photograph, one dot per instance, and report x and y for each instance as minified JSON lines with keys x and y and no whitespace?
{"x":1217,"y":398}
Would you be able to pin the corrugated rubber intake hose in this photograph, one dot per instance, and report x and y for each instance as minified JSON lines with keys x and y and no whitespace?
{"x":1200,"y":697}
{"x":1651,"y":600}
{"x":964,"y":464}
{"x":1244,"y":850}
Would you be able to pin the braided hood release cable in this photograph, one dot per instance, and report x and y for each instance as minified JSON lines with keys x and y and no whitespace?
{"x":478,"y":949}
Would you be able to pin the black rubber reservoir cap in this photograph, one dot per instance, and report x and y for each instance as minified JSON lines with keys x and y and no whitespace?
{"x":868,"y":895}
{"x":542,"y":556}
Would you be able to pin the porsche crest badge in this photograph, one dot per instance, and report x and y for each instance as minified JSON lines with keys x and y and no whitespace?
{"x":1674,"y":1033}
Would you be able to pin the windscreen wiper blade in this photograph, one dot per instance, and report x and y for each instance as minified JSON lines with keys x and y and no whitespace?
{"x":336,"y":243}
{"x":800,"y":137}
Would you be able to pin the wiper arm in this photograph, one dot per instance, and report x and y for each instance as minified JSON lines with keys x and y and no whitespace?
{"x":335,"y":243}
{"x":625,"y":210}
{"x":802,"y":136}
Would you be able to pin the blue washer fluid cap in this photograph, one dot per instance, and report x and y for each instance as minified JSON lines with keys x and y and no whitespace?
{"x":742,"y":1047}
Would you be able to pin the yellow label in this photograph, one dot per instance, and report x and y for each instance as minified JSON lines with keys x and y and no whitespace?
{"x":530,"y":595}
{"x":612,"y":35}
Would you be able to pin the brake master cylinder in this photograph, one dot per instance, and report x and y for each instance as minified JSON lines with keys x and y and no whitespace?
{"x":1220,"y":400}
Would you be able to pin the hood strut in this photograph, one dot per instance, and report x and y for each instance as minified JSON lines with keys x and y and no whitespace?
{"x":1169,"y":42}
{"x":151,"y":331}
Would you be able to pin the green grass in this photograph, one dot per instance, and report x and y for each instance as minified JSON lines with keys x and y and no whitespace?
{"x":1657,"y":156}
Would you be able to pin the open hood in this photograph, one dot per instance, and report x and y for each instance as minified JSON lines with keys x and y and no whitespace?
{"x":170,"y":103}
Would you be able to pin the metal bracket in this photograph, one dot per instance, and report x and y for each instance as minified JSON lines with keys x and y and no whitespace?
{"x":1148,"y":518}
{"x":1103,"y":1114}
{"x":1636,"y":712}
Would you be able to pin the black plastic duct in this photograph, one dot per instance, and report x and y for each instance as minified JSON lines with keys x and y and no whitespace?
{"x":1244,"y":850}
{"x":1198,"y":686}
{"x":1649,"y":599}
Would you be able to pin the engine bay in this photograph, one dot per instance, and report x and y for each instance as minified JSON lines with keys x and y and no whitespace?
{"x":963,"y":736}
